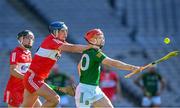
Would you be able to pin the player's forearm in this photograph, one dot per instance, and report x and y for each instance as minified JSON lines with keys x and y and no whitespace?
{"x":73,"y":48}
{"x":122,"y":65}
{"x":16,"y":74}
{"x":79,"y":48}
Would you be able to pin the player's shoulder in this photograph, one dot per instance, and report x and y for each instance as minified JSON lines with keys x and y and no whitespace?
{"x":100,"y":53}
{"x":16,"y":50}
{"x":90,"y":50}
{"x":94,"y":52}
{"x":97,"y":52}
{"x":48,"y":38}
{"x":15,"y":54}
{"x":51,"y":38}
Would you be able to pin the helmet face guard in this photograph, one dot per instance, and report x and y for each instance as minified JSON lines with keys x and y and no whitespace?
{"x":25,"y":34}
{"x":56,"y":26}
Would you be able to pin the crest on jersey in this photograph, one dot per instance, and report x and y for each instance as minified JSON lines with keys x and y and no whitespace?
{"x":24,"y":67}
{"x":99,"y":55}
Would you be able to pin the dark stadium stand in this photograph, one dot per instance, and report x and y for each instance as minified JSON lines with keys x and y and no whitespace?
{"x":146,"y":24}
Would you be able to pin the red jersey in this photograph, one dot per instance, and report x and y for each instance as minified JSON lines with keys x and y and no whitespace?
{"x":46,"y":56}
{"x":108,"y":83}
{"x":21,"y":58}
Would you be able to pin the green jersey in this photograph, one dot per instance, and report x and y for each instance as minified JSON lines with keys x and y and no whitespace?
{"x":90,"y":66}
{"x":150,"y":82}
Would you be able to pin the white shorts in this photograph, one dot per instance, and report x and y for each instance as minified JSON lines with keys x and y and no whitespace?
{"x":155,"y":100}
{"x":87,"y":94}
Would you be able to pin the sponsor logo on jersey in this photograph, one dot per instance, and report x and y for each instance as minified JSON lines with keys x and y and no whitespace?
{"x":24,"y":67}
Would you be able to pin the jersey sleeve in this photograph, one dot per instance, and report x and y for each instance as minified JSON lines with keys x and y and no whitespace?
{"x":100,"y":56}
{"x":51,"y":43}
{"x":13,"y":58}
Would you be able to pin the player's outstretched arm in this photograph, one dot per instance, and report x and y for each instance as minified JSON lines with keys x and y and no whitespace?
{"x":119,"y":64}
{"x":14,"y":72}
{"x":75,"y":48}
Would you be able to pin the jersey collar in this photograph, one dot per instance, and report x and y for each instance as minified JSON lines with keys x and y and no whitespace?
{"x":26,"y":51}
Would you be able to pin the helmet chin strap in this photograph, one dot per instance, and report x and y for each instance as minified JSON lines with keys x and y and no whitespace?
{"x":19,"y":42}
{"x":56,"y":33}
{"x":95,"y":44}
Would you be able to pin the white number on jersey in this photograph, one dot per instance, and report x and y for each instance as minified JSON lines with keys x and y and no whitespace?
{"x":86,"y":57}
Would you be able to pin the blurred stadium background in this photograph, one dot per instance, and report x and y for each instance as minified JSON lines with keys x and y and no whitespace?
{"x":134,"y":32}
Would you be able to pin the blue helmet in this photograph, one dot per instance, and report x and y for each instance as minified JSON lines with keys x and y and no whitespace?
{"x":57,"y":25}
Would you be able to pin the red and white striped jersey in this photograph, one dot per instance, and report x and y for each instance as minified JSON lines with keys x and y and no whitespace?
{"x":108,"y":83}
{"x":46,"y":56}
{"x":22,"y":58}
{"x":108,"y":79}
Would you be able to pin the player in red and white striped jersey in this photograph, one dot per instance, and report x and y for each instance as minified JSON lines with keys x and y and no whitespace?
{"x":20,"y":59}
{"x":109,"y":83}
{"x":46,"y":56}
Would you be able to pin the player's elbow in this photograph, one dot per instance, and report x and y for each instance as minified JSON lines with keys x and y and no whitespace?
{"x":109,"y":62}
{"x":115,"y":63}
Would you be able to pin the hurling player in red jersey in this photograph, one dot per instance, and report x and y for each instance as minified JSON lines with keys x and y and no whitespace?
{"x":46,"y":56}
{"x":109,"y":83}
{"x":20,"y":59}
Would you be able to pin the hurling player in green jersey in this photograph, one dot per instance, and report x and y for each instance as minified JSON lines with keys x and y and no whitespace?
{"x":152,"y":85}
{"x":88,"y":92}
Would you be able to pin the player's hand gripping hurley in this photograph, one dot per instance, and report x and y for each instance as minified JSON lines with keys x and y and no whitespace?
{"x":166,"y":57}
